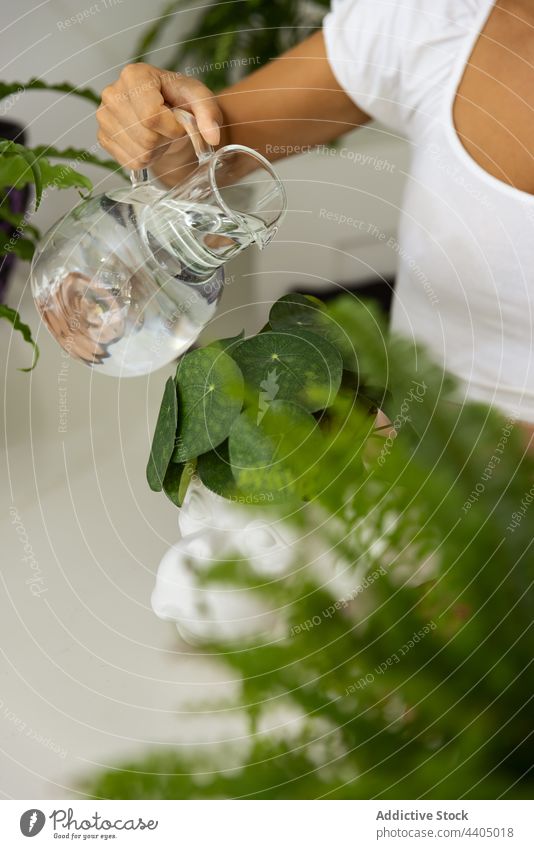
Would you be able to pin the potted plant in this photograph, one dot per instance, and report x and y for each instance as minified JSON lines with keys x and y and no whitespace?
{"x":412,"y":684}
{"x":226,"y":40}
{"x":236,"y":429}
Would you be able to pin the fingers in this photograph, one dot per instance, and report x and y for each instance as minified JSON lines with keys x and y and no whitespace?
{"x":120,"y":130}
{"x":143,"y":86}
{"x":133,"y":161}
{"x":135,"y":118}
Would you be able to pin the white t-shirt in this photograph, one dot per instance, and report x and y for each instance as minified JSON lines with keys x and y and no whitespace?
{"x":465,"y":285}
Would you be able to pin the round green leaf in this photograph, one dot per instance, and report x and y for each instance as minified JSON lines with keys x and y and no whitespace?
{"x":287,"y":366}
{"x":164,"y":436}
{"x":228,"y":343}
{"x":295,"y":309}
{"x":215,"y":471}
{"x":210,"y":392}
{"x":177,"y":479}
{"x":275,"y":457}
{"x":308,"y":313}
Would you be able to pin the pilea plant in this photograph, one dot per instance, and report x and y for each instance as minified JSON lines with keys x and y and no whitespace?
{"x":249,"y":416}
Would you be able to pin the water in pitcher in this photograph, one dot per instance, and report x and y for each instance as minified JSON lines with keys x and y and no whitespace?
{"x":132,"y":292}
{"x":198,"y":236}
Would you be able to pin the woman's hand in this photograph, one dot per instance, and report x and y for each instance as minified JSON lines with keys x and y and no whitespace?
{"x":284,"y":107}
{"x":136,"y":123}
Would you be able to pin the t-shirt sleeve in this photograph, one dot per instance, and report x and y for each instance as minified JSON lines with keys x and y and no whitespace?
{"x":363,"y":45}
{"x":394,"y":57}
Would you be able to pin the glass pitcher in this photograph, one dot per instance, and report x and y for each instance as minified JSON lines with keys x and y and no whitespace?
{"x":126,"y":281}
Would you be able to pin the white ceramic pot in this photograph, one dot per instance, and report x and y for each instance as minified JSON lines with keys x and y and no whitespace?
{"x":213,"y":528}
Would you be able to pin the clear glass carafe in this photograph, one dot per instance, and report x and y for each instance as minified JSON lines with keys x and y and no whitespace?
{"x":127,"y":280}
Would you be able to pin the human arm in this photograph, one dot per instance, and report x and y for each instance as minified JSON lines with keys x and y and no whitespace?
{"x":287,"y":106}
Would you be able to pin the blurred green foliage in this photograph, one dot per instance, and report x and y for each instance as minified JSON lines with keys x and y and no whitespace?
{"x":228,"y":40}
{"x":417,"y":682}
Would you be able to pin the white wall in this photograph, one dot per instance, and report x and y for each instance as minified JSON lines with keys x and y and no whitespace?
{"x":343,"y":206}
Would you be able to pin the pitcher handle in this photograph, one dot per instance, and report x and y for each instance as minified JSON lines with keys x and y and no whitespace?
{"x":201,"y":147}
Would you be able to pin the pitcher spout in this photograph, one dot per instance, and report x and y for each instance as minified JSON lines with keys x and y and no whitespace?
{"x":265,"y":237}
